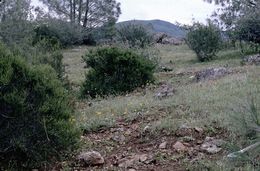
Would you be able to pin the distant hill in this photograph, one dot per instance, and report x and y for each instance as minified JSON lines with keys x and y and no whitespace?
{"x":159,"y":26}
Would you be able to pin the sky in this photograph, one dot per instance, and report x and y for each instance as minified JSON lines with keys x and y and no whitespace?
{"x":182,"y":11}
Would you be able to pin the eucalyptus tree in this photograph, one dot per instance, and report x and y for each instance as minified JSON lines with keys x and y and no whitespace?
{"x":87,"y":13}
{"x":14,"y":20}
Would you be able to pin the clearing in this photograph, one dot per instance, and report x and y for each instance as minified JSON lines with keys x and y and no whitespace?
{"x":175,"y":124}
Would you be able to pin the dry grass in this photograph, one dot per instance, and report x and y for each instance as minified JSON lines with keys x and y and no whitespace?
{"x":222,"y":102}
{"x":206,"y":102}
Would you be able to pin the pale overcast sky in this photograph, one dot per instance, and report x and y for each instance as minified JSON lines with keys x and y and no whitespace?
{"x":181,"y":11}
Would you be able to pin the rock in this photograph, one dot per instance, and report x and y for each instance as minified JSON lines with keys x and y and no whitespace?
{"x":143,"y":157}
{"x":146,"y":128}
{"x":179,"y":147}
{"x":210,"y":149}
{"x":163,"y":38}
{"x":132,"y":160}
{"x":199,"y":130}
{"x":183,"y":131}
{"x":131,"y":170}
{"x":217,"y":142}
{"x":90,"y":158}
{"x":165,"y":90}
{"x":188,"y":139}
{"x":165,"y":69}
{"x":211,"y":74}
{"x":171,"y":41}
{"x":119,"y":137}
{"x":163,"y":145}
{"x":126,"y":163}
{"x":211,"y":145}
{"x":158,"y":37}
{"x":252,"y":60}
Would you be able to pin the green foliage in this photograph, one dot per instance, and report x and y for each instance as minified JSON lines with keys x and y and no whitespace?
{"x":204,"y":40}
{"x":48,"y":52}
{"x":247,"y":28}
{"x":36,"y":124}
{"x":134,"y":35}
{"x":115,"y":71}
{"x":60,"y":31}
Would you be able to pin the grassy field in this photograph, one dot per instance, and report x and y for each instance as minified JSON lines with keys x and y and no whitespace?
{"x":219,"y":107}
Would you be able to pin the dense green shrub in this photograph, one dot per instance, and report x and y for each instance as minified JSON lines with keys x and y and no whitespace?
{"x":64,"y":32}
{"x":36,"y":122}
{"x":115,"y":71}
{"x":204,"y":40}
{"x":134,"y":35}
{"x":49,"y":52}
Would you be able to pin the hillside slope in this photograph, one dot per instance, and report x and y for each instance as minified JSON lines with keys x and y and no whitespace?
{"x":159,"y":26}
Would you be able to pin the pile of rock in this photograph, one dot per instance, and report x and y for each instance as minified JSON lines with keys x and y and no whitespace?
{"x":165,"y":90}
{"x":252,"y":60}
{"x":211,"y":74}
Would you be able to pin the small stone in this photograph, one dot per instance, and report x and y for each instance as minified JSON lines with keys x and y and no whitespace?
{"x":188,"y":139}
{"x":165,"y":90}
{"x":217,"y":142}
{"x":134,"y":126}
{"x":163,"y":145}
{"x":119,"y":137}
{"x":211,"y":145}
{"x":146,"y":128}
{"x":131,"y":170}
{"x":198,"y":129}
{"x":210,"y":149}
{"x":91,"y":158}
{"x":199,"y":142}
{"x":178,"y":146}
{"x":126,"y":163}
{"x":183,"y":131}
{"x":187,"y":144}
{"x":143,"y":157}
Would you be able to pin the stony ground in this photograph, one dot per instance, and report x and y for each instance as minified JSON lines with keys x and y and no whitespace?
{"x":182,"y":122}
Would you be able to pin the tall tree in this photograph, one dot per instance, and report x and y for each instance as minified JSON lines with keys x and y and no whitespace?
{"x":14,"y":16}
{"x":14,"y":9}
{"x":242,"y":17}
{"x":88,"y":13}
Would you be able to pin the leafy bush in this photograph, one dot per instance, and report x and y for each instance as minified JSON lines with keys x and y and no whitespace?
{"x":115,"y":71}
{"x":35,"y":115}
{"x":65,"y":33}
{"x":48,"y":52}
{"x":205,"y":41}
{"x":134,"y":35}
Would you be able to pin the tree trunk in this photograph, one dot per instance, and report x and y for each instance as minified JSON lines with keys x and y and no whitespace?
{"x":74,"y":11}
{"x":71,"y":11}
{"x":80,"y":12}
{"x":86,"y":14}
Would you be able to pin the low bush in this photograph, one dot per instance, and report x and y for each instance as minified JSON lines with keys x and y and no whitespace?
{"x":36,"y":121}
{"x":204,"y":40}
{"x":115,"y":71}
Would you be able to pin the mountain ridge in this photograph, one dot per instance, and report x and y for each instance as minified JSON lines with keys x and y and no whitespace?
{"x":159,"y":26}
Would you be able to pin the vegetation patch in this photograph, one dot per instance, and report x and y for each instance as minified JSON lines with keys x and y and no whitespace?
{"x":115,"y":71}
{"x":37,"y":127}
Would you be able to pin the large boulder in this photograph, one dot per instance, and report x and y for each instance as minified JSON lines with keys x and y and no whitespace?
{"x":171,"y":41}
{"x":163,"y":38}
{"x":158,"y":37}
